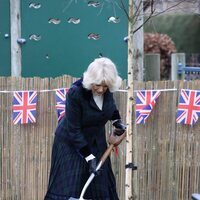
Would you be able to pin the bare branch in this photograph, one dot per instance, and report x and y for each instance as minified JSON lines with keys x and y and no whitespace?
{"x":154,"y":14}
{"x":124,"y":9}
{"x":138,"y":10}
{"x":147,"y":4}
{"x":137,"y":14}
{"x":169,"y":8}
{"x":151,"y":4}
{"x":145,"y":21}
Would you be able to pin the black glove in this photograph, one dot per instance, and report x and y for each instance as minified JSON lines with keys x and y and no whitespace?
{"x":92,"y":163}
{"x":120,"y":128}
{"x":92,"y":166}
{"x":85,"y":151}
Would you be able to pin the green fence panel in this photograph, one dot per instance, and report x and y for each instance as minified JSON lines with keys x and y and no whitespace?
{"x":5,"y":62}
{"x":59,"y":36}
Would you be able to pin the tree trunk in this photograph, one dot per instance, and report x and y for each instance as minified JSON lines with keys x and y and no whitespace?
{"x":129,"y":155}
{"x":135,"y":72}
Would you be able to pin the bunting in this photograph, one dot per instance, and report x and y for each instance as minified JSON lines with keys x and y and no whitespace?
{"x":24,"y":107}
{"x":145,"y":102}
{"x":189,"y":107}
{"x":60,"y":102}
{"x":25,"y":102}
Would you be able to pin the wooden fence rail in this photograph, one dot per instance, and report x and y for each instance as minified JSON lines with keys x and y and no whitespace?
{"x":167,"y":153}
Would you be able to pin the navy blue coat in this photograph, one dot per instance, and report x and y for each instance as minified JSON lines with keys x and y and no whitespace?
{"x":83,"y":124}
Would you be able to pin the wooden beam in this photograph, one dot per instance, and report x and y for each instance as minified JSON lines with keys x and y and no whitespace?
{"x":15,"y":31}
{"x":152,"y":67}
{"x":176,"y":59}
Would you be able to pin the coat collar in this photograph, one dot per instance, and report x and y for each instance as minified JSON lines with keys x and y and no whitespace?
{"x":105,"y":101}
{"x":88,"y":95}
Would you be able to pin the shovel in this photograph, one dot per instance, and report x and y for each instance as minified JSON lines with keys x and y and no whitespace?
{"x":92,"y":175}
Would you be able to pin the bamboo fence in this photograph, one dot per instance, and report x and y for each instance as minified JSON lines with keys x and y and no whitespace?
{"x":167,"y":153}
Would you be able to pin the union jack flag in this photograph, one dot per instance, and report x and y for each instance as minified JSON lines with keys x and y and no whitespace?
{"x":60,"y":102}
{"x":24,"y":107}
{"x":189,"y":107}
{"x":145,"y":102}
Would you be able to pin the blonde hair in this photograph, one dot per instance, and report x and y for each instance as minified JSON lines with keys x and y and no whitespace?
{"x":102,"y":69}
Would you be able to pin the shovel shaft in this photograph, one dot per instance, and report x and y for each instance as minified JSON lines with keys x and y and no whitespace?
{"x":102,"y":160}
{"x":107,"y":153}
{"x":92,"y":175}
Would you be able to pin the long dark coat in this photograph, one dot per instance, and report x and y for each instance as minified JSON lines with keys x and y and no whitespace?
{"x":84,"y":123}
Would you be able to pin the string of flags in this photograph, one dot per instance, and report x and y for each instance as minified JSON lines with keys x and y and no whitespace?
{"x":145,"y":102}
{"x":24,"y":105}
{"x":60,"y":102}
{"x":188,"y":106}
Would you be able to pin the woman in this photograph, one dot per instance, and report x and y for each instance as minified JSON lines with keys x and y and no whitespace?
{"x":80,"y":138}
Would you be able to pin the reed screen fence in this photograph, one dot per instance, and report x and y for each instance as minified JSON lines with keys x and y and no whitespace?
{"x":167,"y":153}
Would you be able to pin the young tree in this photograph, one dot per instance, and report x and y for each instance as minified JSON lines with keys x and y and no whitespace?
{"x":136,"y":21}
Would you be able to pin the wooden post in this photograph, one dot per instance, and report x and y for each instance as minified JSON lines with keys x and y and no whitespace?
{"x":15,"y":29}
{"x":138,"y":41}
{"x":176,"y":59}
{"x":152,"y":67}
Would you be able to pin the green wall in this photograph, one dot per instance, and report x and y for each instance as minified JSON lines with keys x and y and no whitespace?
{"x":5,"y":69}
{"x":65,"y":48}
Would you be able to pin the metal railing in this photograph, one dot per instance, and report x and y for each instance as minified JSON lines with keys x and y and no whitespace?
{"x":188,"y":72}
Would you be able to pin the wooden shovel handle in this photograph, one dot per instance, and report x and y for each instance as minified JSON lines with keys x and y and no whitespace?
{"x":107,"y":153}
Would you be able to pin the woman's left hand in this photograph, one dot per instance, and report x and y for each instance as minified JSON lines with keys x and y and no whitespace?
{"x":116,"y":140}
